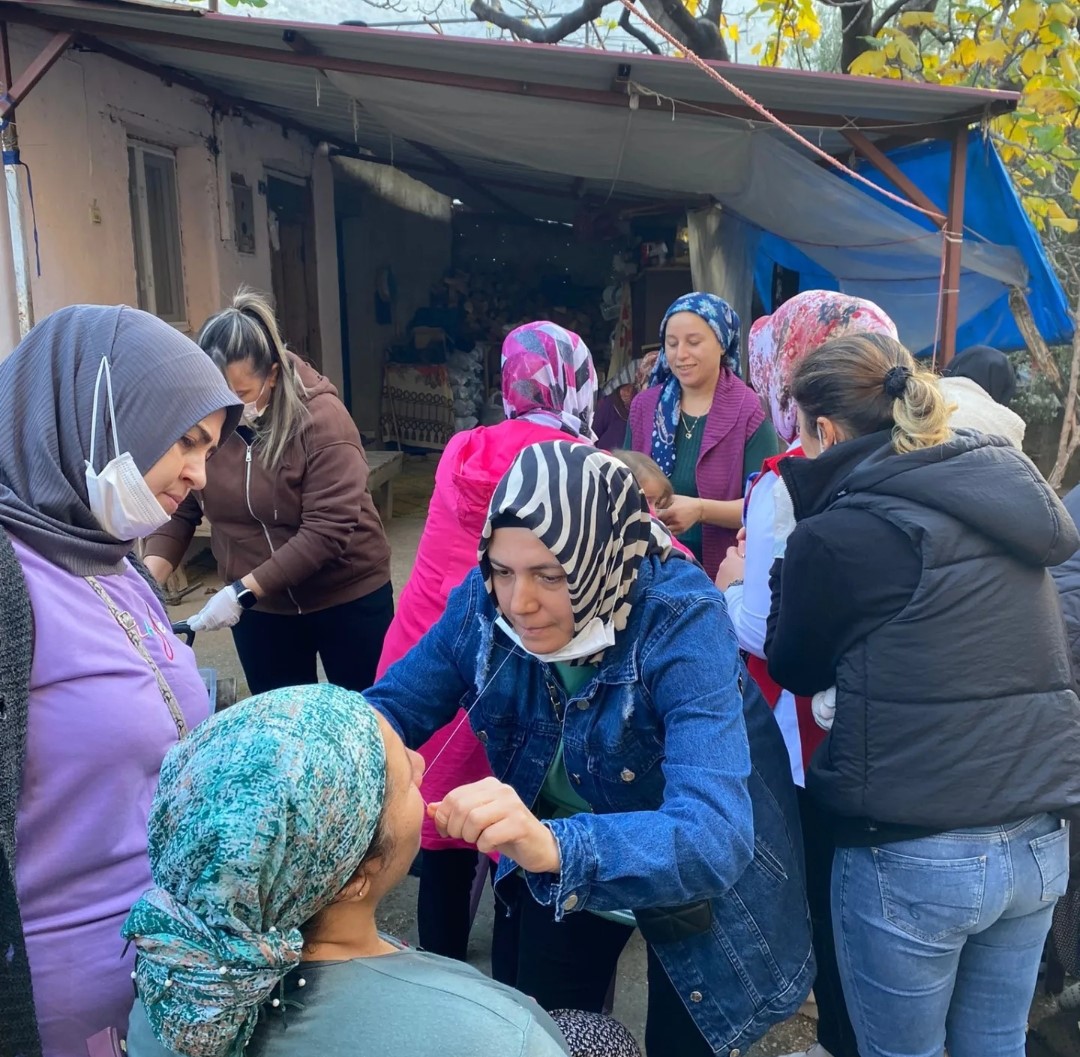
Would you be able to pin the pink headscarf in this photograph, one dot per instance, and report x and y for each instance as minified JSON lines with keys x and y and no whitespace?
{"x":777,"y":343}
{"x":548,"y":377}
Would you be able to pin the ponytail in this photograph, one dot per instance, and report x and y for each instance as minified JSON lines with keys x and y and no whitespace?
{"x":869,"y":382}
{"x":920,"y":414}
{"x":247,"y":331}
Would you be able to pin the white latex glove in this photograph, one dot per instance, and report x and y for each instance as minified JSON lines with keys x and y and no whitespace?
{"x":824,"y":708}
{"x":222,"y":611}
{"x":783,"y":518}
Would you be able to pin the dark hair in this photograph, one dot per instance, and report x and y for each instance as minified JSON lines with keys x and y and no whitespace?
{"x":869,"y":382}
{"x":644,"y":468}
{"x":381,"y":847}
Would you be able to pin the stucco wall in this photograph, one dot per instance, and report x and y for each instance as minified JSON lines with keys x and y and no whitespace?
{"x":73,"y":132}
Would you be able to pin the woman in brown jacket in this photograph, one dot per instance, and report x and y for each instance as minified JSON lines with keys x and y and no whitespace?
{"x":293,"y":527}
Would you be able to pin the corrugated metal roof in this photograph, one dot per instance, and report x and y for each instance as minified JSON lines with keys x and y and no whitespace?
{"x":240,"y":57}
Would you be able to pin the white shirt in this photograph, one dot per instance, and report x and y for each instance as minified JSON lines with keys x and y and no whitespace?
{"x":749,"y":603}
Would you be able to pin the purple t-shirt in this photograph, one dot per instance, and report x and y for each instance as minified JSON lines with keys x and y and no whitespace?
{"x":98,"y":731}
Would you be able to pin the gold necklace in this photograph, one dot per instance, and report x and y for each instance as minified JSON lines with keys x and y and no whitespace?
{"x":688,"y":431}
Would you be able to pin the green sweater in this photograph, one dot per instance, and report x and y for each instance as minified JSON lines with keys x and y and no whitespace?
{"x":763,"y":444}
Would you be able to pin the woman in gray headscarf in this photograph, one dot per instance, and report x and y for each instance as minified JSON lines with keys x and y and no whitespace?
{"x":107,"y":417}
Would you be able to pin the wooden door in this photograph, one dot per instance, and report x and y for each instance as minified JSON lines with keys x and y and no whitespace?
{"x":292,"y":267}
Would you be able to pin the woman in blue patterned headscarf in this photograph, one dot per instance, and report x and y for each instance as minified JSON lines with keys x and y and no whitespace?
{"x":705,"y":428}
{"x":277,"y":827}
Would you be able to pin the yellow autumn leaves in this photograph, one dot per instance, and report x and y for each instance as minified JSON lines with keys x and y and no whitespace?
{"x":1032,"y":47}
{"x":792,"y":23}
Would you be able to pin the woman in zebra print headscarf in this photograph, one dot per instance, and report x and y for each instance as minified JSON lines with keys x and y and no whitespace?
{"x":600,"y":672}
{"x":586,"y":509}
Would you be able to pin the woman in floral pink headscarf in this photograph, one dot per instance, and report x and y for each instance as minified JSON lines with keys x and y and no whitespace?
{"x":549,"y":391}
{"x":776,"y":345}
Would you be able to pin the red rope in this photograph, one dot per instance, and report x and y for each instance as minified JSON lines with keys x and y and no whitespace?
{"x":751,"y":102}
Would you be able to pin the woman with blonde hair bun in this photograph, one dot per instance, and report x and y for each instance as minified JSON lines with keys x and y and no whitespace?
{"x":916,"y":583}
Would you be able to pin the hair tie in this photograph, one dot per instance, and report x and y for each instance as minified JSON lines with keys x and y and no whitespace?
{"x":896,"y":379}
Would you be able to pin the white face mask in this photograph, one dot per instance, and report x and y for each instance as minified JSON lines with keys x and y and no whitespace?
{"x":251,"y":413}
{"x":595,"y":637}
{"x":119,"y":497}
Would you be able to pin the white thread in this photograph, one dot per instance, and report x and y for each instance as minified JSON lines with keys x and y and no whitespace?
{"x":622,"y":146}
{"x":465,"y":718}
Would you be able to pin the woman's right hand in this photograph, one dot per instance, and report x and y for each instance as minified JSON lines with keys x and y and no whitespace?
{"x":681,"y":514}
{"x":491,"y":815}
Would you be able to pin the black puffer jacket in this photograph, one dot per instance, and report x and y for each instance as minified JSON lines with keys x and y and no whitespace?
{"x":955,"y":707}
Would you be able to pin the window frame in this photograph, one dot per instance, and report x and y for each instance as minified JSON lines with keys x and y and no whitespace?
{"x":142,"y":232}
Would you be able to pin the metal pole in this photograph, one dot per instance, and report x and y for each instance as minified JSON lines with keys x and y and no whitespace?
{"x":12,"y":207}
{"x":10,"y":334}
{"x":9,"y":299}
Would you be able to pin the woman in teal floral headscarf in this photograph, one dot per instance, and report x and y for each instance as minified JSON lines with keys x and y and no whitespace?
{"x":277,"y":827}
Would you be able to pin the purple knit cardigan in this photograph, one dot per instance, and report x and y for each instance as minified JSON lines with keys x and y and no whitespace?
{"x":735,"y":414}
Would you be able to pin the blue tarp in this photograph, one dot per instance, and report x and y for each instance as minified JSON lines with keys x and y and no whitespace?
{"x":992,"y":210}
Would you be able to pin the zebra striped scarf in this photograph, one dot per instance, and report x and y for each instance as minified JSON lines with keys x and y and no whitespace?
{"x":587,"y":509}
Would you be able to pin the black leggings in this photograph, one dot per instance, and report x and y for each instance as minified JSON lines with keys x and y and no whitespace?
{"x":569,"y":965}
{"x":277,"y":651}
{"x":444,"y":902}
{"x":834,"y":1030}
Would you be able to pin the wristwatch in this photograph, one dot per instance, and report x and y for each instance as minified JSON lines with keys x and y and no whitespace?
{"x":244,"y":595}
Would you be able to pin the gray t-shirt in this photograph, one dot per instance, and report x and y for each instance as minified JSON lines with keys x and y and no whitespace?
{"x":410,"y":1002}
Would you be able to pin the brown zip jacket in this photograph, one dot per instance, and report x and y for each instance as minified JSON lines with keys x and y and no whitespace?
{"x":309,"y":531}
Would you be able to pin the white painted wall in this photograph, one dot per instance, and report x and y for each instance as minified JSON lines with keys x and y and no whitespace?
{"x":73,"y":131}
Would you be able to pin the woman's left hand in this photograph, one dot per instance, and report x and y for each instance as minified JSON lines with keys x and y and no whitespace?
{"x":492,"y":816}
{"x":732,"y":568}
{"x":682,"y":513}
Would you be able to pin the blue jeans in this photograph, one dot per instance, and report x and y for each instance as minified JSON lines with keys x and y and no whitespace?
{"x":939,"y":939}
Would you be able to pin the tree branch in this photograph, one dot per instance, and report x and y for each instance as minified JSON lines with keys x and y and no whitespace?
{"x":638,"y":34}
{"x":680,"y":17}
{"x":888,"y":14}
{"x":713,"y":11}
{"x":568,"y":24}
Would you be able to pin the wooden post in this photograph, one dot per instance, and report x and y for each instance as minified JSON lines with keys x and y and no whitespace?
{"x":18,"y":89}
{"x":953,"y":241}
{"x":889,"y":169}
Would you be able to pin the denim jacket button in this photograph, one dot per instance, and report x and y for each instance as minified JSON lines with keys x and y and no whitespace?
{"x":582,"y":704}
{"x":695,"y":996}
{"x":576,"y":778}
{"x":735,"y":1053}
{"x":481,"y":736}
{"x":570,"y":902}
{"x":627,"y":775}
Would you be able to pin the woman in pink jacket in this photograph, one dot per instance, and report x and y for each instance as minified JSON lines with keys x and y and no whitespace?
{"x":549,"y":387}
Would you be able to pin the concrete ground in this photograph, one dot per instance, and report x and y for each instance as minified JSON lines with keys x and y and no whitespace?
{"x":1054,"y":1032}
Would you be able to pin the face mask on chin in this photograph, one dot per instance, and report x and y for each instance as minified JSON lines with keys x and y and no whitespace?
{"x":119,"y":498}
{"x":594,"y":638}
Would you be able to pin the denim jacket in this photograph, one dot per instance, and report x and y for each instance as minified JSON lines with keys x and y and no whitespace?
{"x":657,"y":742}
